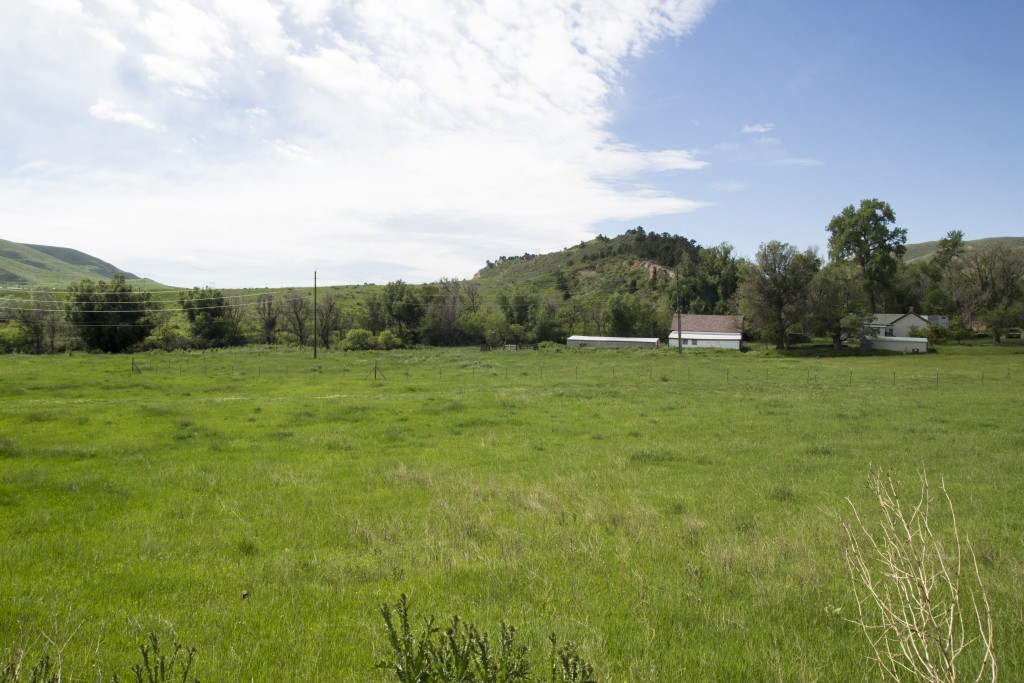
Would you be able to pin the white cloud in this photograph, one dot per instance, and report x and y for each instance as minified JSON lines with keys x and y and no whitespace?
{"x":108,"y":111}
{"x":758,"y":128}
{"x":429,"y":134}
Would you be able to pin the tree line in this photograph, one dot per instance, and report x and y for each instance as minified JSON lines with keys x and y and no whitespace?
{"x":783,"y":293}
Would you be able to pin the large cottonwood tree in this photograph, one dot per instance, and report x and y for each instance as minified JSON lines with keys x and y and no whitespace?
{"x":838,"y":303}
{"x":774,"y":291}
{"x":867,"y":236}
{"x":109,"y":316}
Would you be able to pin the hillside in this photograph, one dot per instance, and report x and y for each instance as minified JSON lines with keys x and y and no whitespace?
{"x":37,"y":265}
{"x":603,"y":263}
{"x":633,"y":254}
{"x":924,"y":250}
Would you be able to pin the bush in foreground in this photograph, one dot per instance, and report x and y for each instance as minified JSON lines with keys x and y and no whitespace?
{"x":921,"y":602}
{"x":462,"y":654}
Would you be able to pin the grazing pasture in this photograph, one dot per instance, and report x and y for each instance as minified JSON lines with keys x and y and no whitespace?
{"x":678,"y":517}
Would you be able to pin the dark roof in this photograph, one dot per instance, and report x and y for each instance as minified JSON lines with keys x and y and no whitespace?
{"x":728,"y":324}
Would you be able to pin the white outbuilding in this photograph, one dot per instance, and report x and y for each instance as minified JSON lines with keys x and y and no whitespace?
{"x":707,"y":331}
{"x":580,"y":341}
{"x":898,"y":344}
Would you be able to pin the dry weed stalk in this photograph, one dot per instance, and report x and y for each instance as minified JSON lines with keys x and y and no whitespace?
{"x":926,"y":615}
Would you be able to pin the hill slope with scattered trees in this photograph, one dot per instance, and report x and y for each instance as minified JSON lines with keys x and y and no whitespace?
{"x":627,"y":285}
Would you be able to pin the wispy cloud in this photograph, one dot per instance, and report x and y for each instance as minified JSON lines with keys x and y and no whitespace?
{"x":784,"y":159}
{"x":729,"y":186}
{"x":768,"y":150}
{"x":282,"y":133}
{"x":758,"y":128}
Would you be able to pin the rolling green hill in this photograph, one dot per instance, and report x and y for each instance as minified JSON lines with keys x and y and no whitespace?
{"x":924,"y":250}
{"x":633,"y":254}
{"x":37,"y":265}
{"x":595,"y":264}
{"x":603,"y":263}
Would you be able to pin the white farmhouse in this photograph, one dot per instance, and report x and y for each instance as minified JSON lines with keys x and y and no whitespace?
{"x":895,"y":324}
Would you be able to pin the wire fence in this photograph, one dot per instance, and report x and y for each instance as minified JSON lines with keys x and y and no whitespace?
{"x":529,"y":369}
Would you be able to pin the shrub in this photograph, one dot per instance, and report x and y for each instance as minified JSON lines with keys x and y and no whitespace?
{"x":925,"y":615}
{"x":462,"y":653}
{"x":156,"y":667}
{"x":359,"y":340}
{"x":387,"y":340}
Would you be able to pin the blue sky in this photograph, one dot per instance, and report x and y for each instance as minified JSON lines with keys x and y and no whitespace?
{"x":249,"y":142}
{"x":915,"y":103}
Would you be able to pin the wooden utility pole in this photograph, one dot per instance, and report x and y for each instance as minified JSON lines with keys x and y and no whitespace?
{"x":679,"y":326}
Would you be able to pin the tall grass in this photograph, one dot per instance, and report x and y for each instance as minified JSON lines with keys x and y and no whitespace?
{"x":674,"y":516}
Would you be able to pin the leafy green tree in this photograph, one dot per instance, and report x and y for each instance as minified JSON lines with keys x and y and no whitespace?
{"x":838,"y":303}
{"x":109,"y":316}
{"x":39,"y":319}
{"x":622,"y":315}
{"x":473,"y":325}
{"x":774,"y":289}
{"x":950,"y":246}
{"x":211,"y":318}
{"x":404,"y":309}
{"x":375,"y":317}
{"x":517,"y":308}
{"x":570,"y":316}
{"x":958,"y":329}
{"x":988,"y":286}
{"x":707,"y":284}
{"x":547,"y":324}
{"x":634,"y":316}
{"x":867,"y":237}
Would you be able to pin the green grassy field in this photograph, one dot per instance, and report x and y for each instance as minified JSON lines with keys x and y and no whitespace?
{"x":677,"y":517}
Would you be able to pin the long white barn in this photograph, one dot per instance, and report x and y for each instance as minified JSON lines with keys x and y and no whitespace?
{"x":580,"y":341}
